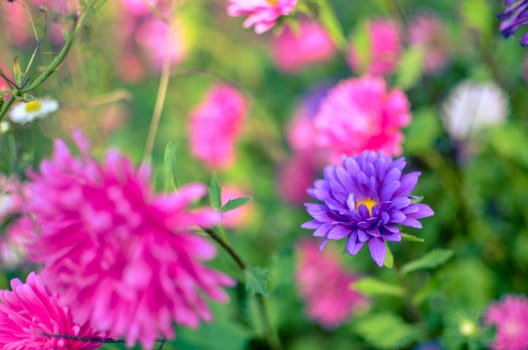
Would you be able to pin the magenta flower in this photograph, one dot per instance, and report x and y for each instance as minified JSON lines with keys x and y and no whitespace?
{"x":122,"y":258}
{"x":510,"y":317}
{"x":384,"y":52}
{"x":30,"y":311}
{"x":363,"y":201}
{"x":360,"y":114}
{"x":429,"y":33}
{"x":324,"y":284}
{"x":215,"y":125}
{"x":294,"y":51}
{"x":262,"y":14}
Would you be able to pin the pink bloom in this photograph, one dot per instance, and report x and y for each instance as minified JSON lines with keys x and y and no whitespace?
{"x":122,"y":258}
{"x":384,"y":51}
{"x":16,"y":23}
{"x":295,"y":176}
{"x":510,"y":317}
{"x":236,"y":217}
{"x":263,"y":14}
{"x":325,"y":285}
{"x":429,"y":34}
{"x":215,"y":125}
{"x":295,"y":51}
{"x":29,"y":311}
{"x":360,"y":114}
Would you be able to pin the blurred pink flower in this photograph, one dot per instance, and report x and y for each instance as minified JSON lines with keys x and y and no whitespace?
{"x":295,"y":51}
{"x":510,"y":317}
{"x":136,"y":7}
{"x":384,"y":49}
{"x":237,"y":217}
{"x":151,"y":36}
{"x":29,"y":311}
{"x":122,"y":258}
{"x":360,"y":114}
{"x":15,"y":23}
{"x":215,"y":125}
{"x":295,"y":176}
{"x":428,"y":33}
{"x":263,"y":14}
{"x":325,"y":285}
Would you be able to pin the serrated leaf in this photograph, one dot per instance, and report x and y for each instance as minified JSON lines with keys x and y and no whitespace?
{"x":410,"y":68}
{"x":215,"y":193}
{"x":386,"y":331}
{"x":389,"y":258}
{"x":235,"y":203}
{"x":411,"y":238}
{"x":169,"y":165}
{"x":256,"y":280}
{"x":431,"y":260}
{"x":372,"y":286}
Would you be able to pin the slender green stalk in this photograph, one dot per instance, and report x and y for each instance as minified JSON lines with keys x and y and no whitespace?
{"x":162,"y":91}
{"x":6,"y":106}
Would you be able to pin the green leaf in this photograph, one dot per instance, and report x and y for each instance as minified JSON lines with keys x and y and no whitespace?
{"x":386,"y":331}
{"x":17,"y":71}
{"x":477,"y":14}
{"x":257,"y":279}
{"x":215,"y":193}
{"x":431,"y":260}
{"x":235,"y":203}
{"x":361,"y":45}
{"x":411,"y":238}
{"x":410,"y":68}
{"x":169,"y":165}
{"x":372,"y":286}
{"x":389,"y":258}
{"x":331,"y":24}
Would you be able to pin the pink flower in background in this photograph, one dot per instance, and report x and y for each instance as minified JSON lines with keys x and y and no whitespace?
{"x":510,"y":317}
{"x":361,"y":114}
{"x":15,"y":23}
{"x":237,"y":217}
{"x":384,"y":49}
{"x":262,"y":14}
{"x":428,"y":33}
{"x":151,"y":36}
{"x":295,"y":176}
{"x":325,"y":285}
{"x":122,"y":257}
{"x":294,"y":51}
{"x":215,"y":125}
{"x":137,"y":7}
{"x":29,"y":311}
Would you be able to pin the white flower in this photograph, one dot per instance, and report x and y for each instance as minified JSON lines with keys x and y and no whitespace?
{"x":28,"y":111}
{"x":472,"y":106}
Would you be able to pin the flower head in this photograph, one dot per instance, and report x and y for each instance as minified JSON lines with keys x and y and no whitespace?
{"x":383,"y":52}
{"x":514,"y":17}
{"x":363,"y":201}
{"x":472,"y":106}
{"x":510,"y":317}
{"x":360,"y":114}
{"x":215,"y":125}
{"x":125,"y":257}
{"x":28,"y":111}
{"x":293,"y":51}
{"x":29,"y":311}
{"x":428,"y":33}
{"x":325,"y":285}
{"x":263,"y":14}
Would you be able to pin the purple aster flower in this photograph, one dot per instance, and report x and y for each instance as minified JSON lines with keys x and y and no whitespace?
{"x":514,"y":17}
{"x":365,"y":200}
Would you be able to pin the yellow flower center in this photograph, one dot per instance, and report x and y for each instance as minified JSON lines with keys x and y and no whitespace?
{"x":369,"y":203}
{"x":33,"y":106}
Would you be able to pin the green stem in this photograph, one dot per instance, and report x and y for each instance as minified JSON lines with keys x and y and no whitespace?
{"x":6,"y":106}
{"x":270,"y":335}
{"x":329,"y":20}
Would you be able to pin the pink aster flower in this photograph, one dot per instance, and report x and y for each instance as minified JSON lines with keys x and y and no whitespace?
{"x":123,"y":258}
{"x":293,"y":51}
{"x":510,"y":317}
{"x":215,"y":125}
{"x":384,"y":49}
{"x":361,"y":114}
{"x":428,"y":33}
{"x":29,"y":311}
{"x":325,"y":285}
{"x":263,"y":14}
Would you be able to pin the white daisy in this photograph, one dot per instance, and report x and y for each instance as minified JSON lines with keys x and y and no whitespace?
{"x":28,"y":111}
{"x":472,"y":106}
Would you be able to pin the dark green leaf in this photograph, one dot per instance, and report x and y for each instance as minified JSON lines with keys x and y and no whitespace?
{"x":431,"y":260}
{"x":215,"y":193}
{"x":256,"y":280}
{"x":235,"y":203}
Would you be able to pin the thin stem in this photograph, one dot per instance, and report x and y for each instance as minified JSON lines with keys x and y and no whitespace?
{"x":162,"y":91}
{"x":271,"y":336}
{"x":329,"y":20}
{"x":6,"y":106}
